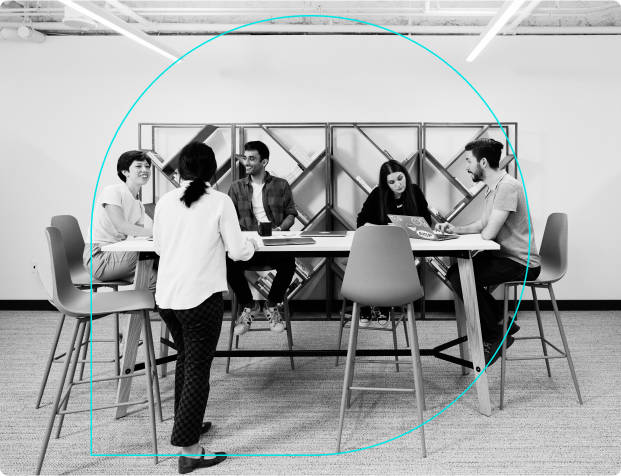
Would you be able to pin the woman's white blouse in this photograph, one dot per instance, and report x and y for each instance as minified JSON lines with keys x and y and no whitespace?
{"x":192,"y":243}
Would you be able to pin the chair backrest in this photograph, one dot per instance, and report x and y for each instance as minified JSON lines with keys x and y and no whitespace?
{"x":381,"y":269}
{"x":74,"y":244}
{"x":554,"y":248}
{"x":65,"y":293}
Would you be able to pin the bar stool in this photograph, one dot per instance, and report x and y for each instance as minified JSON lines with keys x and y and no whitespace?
{"x":394,"y":321}
{"x":74,"y":247}
{"x":75,"y":303}
{"x":381,"y":272}
{"x":235,"y":310}
{"x":554,"y":261}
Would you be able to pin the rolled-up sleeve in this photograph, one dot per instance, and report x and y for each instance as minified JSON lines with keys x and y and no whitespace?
{"x":239,"y":249}
{"x":288,"y":205}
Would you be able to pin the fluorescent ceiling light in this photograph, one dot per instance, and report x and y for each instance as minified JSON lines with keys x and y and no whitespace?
{"x":504,"y":14}
{"x":108,"y":19}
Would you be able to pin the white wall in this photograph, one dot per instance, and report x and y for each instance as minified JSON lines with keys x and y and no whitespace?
{"x":63,"y":100}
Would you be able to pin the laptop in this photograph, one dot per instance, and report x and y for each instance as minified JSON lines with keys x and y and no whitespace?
{"x":288,"y":241}
{"x":418,"y":228}
{"x":324,"y":233}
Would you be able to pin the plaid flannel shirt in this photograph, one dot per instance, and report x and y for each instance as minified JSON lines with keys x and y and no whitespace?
{"x":277,"y":201}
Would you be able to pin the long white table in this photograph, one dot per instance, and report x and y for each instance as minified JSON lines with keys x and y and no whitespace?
{"x":460,"y":250}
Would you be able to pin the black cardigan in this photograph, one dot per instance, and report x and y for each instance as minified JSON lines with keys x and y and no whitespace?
{"x":370,"y":212}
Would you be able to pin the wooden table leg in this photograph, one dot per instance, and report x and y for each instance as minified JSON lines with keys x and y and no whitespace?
{"x":473,"y":326}
{"x":132,"y":338}
{"x":460,"y":317}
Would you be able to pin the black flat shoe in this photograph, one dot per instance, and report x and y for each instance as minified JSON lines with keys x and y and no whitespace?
{"x":205,"y":428}
{"x":187,"y":465}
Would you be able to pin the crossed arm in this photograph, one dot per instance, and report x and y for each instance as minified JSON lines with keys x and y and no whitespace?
{"x":115,"y":213}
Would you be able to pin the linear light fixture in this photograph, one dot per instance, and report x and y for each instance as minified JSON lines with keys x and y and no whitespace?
{"x":108,"y":19}
{"x":504,"y":14}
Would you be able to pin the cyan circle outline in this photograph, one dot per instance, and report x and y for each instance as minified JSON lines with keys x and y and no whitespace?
{"x":123,"y":122}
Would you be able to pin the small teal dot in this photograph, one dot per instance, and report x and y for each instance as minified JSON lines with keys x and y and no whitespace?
{"x":281,"y":18}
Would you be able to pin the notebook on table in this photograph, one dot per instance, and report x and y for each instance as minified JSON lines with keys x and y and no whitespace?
{"x":418,"y":228}
{"x":324,"y":233}
{"x":288,"y":241}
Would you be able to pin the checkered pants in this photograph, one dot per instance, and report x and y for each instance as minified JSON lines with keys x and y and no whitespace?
{"x":195,"y":333}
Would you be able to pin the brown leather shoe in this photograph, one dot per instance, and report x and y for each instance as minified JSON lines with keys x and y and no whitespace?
{"x":187,"y":465}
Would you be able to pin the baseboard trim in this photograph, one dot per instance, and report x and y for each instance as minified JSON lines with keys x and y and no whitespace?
{"x":316,"y":305}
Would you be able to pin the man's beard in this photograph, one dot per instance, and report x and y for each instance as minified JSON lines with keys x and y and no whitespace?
{"x":477,"y":175}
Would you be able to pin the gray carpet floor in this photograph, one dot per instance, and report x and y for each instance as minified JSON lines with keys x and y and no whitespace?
{"x":264,"y":408}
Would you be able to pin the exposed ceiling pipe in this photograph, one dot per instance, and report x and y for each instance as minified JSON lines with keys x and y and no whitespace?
{"x":211,"y":29}
{"x":204,"y":11}
{"x":125,"y":10}
{"x":23,"y":33}
{"x":525,"y":13}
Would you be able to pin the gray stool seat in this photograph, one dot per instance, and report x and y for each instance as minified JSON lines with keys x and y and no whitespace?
{"x":554,"y":253}
{"x":80,"y":276}
{"x":381,"y":272}
{"x":73,"y":302}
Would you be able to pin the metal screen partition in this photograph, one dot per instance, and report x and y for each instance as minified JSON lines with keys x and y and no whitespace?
{"x":353,"y":153}
{"x":357,"y":151}
{"x":284,"y":152}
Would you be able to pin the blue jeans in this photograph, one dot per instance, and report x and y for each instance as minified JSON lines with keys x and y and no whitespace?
{"x":490,"y":270}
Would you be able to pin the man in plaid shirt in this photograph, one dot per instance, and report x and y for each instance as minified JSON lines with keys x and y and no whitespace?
{"x":261,"y":197}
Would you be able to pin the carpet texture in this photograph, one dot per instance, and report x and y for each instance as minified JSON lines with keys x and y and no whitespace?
{"x":262,"y":407}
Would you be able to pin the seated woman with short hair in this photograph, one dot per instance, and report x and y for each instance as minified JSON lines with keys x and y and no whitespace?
{"x":118,"y":214}
{"x":395,"y":194}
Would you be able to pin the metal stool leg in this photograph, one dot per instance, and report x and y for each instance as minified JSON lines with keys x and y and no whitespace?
{"x":148,"y":350}
{"x":540,"y":324}
{"x":394,"y":335}
{"x":165,"y":334}
{"x":355,"y":315}
{"x":85,"y":343}
{"x":154,"y":367}
{"x":349,"y":371}
{"x":233,"y":320}
{"x":565,"y":345}
{"x":59,"y":391}
{"x":418,"y":383}
{"x":405,"y":328}
{"x":503,"y":355}
{"x":341,"y":325}
{"x":74,"y":363}
{"x":288,"y":323}
{"x":50,"y":359}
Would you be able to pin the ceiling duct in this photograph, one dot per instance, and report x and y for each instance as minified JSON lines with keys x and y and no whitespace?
{"x":74,"y":19}
{"x":23,"y":33}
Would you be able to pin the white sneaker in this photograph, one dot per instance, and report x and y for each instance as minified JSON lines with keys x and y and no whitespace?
{"x":273,"y":317}
{"x":244,"y":321}
{"x":382,"y":319}
{"x":365,"y":321}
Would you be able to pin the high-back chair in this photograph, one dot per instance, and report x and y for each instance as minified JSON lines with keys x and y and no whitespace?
{"x":554,"y":260}
{"x":235,"y":308}
{"x":75,"y":303}
{"x":80,"y":277}
{"x":381,"y":272}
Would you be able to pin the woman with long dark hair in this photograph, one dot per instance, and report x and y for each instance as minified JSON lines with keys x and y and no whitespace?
{"x":193,"y":226}
{"x":395,"y":194}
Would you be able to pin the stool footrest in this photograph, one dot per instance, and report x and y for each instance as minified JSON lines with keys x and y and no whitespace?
{"x":381,"y":389}
{"x":562,"y":352}
{"x":391,"y":361}
{"x":103,"y":407}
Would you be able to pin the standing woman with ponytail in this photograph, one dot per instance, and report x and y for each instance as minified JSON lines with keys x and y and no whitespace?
{"x":395,"y":194}
{"x":193,"y":226}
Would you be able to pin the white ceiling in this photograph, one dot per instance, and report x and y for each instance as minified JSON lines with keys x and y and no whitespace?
{"x":414,"y":17}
